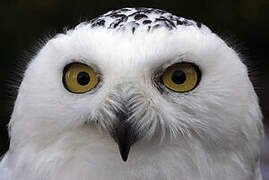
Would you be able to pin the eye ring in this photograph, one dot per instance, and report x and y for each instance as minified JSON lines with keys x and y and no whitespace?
{"x":79,"y":78}
{"x":181,"y":77}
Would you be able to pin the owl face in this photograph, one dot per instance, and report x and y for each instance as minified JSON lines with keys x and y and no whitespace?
{"x":137,"y":75}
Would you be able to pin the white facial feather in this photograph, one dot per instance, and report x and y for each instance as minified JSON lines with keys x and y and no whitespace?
{"x":211,"y":132}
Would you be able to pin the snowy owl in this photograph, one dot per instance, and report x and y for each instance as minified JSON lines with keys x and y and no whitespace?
{"x":135,"y":94}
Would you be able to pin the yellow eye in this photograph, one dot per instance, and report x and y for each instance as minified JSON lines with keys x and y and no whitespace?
{"x":79,"y":78}
{"x":181,"y":77}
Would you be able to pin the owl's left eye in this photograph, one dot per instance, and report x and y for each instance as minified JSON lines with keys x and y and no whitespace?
{"x":79,"y":78}
{"x":181,"y":77}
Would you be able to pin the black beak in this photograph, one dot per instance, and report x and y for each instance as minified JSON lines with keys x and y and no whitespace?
{"x":124,"y":134}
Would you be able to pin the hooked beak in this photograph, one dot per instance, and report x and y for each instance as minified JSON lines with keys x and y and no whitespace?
{"x":124,"y":134}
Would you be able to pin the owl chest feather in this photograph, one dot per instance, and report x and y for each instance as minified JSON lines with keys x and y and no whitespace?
{"x":99,"y":159}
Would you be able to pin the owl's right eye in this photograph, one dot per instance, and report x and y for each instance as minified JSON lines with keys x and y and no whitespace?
{"x":79,"y":78}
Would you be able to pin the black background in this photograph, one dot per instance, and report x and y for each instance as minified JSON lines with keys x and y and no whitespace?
{"x":242,"y":23}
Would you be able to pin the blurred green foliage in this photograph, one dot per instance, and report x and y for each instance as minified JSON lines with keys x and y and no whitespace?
{"x":244,"y":23}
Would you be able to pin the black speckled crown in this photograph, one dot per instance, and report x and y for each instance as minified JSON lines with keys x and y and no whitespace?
{"x":146,"y":18}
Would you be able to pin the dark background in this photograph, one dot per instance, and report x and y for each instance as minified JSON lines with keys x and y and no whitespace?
{"x":242,"y":23}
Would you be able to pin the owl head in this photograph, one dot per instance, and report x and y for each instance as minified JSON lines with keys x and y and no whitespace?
{"x":136,"y":77}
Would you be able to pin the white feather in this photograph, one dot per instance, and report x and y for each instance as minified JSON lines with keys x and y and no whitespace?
{"x":213,"y":132}
{"x":4,"y":171}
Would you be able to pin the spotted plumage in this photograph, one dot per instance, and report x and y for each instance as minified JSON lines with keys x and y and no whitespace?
{"x":148,"y":19}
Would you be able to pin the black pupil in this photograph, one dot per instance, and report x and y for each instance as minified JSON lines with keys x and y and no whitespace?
{"x":83,"y":78}
{"x":179,"y":77}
